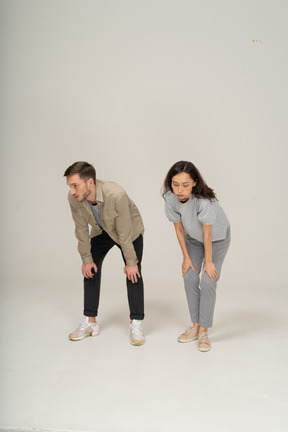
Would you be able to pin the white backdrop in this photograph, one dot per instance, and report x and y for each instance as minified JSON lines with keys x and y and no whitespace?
{"x":132,"y":87}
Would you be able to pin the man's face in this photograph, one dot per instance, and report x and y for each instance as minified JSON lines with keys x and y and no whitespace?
{"x":79,"y":189}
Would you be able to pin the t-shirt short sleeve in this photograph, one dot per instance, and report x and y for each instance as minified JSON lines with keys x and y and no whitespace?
{"x":206,"y":212}
{"x":171,"y":212}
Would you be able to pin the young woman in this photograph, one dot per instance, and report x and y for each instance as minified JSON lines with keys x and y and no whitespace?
{"x":203,"y":232}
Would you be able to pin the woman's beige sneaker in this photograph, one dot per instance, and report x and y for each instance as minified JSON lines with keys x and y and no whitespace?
{"x":189,"y":335}
{"x":203,"y":342}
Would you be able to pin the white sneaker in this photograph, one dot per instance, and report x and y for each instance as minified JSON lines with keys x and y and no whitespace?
{"x":136,"y":333}
{"x":85,"y":329}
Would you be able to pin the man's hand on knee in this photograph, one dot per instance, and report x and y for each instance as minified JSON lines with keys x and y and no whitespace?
{"x":87,"y":270}
{"x":132,"y":272}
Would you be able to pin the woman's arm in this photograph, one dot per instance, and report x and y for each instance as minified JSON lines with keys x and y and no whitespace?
{"x":180,"y":233}
{"x":209,"y":266}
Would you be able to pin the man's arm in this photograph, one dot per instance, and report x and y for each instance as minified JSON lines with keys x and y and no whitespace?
{"x":82,"y":235}
{"x":124,"y":231}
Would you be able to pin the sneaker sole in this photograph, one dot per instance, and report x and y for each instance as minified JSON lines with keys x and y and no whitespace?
{"x":187,"y":340}
{"x":137,"y":343}
{"x":79,"y":338}
{"x":204,"y":349}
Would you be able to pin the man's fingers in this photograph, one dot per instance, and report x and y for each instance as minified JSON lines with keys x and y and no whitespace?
{"x":132,"y":276}
{"x":134,"y":280}
{"x":88,"y":270}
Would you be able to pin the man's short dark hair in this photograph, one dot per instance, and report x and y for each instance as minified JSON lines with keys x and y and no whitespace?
{"x":84,"y":169}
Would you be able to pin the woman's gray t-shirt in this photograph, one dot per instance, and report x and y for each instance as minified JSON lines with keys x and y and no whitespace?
{"x":196,"y":212}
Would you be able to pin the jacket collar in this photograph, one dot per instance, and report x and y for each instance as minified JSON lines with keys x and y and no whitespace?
{"x":99,"y":193}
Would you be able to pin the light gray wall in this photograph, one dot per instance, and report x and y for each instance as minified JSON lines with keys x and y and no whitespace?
{"x":132,"y":87}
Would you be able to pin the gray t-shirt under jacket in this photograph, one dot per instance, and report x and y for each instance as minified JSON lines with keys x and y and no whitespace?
{"x":196,"y":212}
{"x":96,"y":213}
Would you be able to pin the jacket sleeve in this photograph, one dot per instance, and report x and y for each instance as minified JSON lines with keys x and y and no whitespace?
{"x":124,"y":230}
{"x":82,"y":235}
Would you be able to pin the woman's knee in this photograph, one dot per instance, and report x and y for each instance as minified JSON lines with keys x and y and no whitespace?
{"x":207,"y":283}
{"x":191,"y":277}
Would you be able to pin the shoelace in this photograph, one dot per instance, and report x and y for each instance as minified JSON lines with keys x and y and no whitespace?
{"x":82,"y":325}
{"x":203,"y":338}
{"x":188,"y":331}
{"x":136,"y":329}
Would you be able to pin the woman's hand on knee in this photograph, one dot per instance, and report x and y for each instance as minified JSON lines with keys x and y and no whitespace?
{"x":211,"y":270}
{"x":187,"y":263}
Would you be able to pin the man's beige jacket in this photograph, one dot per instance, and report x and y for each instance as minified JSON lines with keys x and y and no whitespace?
{"x":120,"y":217}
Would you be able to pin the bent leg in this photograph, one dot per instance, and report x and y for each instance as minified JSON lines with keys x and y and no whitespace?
{"x":135,"y":291}
{"x":100,"y":245}
{"x":191,"y":278}
{"x":208,"y":287}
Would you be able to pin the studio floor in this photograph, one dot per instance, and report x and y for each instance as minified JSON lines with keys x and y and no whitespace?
{"x":104,"y":384}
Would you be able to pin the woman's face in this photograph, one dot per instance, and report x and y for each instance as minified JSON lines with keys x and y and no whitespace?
{"x":182,"y":185}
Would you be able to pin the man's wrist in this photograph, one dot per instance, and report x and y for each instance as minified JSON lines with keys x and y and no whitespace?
{"x":131,"y":263}
{"x":87,"y":260}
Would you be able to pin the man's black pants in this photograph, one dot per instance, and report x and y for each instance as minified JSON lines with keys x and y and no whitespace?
{"x":100,"y":246}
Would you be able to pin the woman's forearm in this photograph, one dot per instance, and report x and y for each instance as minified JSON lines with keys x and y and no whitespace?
{"x":207,"y":239}
{"x":180,"y":233}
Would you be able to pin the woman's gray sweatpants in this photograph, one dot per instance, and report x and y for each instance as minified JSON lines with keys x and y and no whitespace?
{"x":201,"y":292}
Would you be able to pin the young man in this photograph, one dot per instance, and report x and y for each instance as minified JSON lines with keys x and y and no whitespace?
{"x":114,"y":220}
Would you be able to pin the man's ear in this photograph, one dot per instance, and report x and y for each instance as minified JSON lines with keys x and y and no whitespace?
{"x":90,"y":181}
